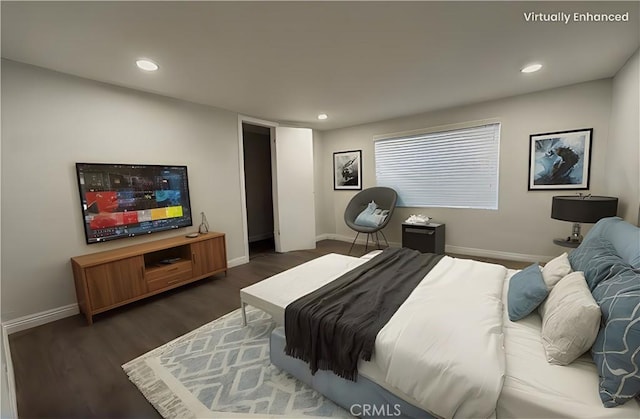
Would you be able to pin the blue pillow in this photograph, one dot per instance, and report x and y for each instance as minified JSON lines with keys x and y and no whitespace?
{"x":598,"y":259}
{"x":526,"y":291}
{"x":367,"y":220}
{"x":616,"y":350}
{"x":624,"y":237}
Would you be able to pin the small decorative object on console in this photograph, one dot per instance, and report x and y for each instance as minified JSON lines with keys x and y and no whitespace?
{"x":204,"y":225}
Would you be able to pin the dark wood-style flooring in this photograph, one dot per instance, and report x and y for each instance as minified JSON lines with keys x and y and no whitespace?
{"x":67,"y":369}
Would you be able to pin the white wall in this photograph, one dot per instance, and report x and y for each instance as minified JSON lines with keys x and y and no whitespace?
{"x":323,"y":205}
{"x":623,"y":152}
{"x":522,"y":225}
{"x":7,"y":396}
{"x":49,"y":122}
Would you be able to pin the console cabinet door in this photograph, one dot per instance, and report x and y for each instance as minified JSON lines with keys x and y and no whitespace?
{"x":115,"y":282}
{"x":208,"y":256}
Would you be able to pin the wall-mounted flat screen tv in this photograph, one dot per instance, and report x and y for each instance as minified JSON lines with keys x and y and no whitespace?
{"x":126,"y":200}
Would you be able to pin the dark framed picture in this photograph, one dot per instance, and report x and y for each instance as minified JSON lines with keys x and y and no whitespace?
{"x":560,"y":160}
{"x":347,"y":170}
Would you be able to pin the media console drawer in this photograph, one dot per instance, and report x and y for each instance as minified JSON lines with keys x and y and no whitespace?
{"x":167,"y":275}
{"x":113,"y":278}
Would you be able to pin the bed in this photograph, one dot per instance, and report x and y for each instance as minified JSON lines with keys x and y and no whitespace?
{"x":521,"y":382}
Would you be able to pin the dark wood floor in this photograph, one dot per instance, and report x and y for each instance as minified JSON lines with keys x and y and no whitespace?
{"x":66,"y":369}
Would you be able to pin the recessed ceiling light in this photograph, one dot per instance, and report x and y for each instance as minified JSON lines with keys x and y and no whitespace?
{"x":146,"y":65}
{"x":531,"y":68}
{"x":323,"y":116}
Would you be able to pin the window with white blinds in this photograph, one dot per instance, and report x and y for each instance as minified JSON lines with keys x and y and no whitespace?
{"x":456,"y":168}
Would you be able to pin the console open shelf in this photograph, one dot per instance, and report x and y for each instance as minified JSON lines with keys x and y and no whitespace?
{"x":160,"y":258}
{"x":113,"y":278}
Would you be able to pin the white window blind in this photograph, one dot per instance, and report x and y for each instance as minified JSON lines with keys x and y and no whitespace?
{"x":455,"y":168}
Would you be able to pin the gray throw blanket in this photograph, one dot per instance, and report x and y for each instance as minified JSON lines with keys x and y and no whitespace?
{"x":336,"y":325}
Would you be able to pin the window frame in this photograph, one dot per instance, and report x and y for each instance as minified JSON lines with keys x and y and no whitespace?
{"x":439,"y":129}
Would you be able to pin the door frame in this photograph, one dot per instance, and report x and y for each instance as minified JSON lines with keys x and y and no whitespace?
{"x":243,"y":191}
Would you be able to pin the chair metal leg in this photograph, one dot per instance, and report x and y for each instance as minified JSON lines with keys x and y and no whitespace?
{"x":377,"y":241}
{"x":354,"y":242}
{"x":385,"y":238}
{"x":366,"y":244}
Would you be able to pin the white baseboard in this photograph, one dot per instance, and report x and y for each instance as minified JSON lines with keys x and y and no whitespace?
{"x":496,"y":254}
{"x":37,"y":319}
{"x":237,"y":261}
{"x":11,"y":383}
{"x":322,"y":237}
{"x":48,"y":316}
{"x":469,"y":251}
{"x":360,"y":240}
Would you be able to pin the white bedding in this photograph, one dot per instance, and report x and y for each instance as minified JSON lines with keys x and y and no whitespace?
{"x":532,"y":388}
{"x":444,"y":345}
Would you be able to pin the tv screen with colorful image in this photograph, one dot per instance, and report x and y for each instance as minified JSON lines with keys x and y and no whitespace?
{"x":126,"y":200}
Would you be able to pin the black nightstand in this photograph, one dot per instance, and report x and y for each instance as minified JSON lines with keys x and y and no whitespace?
{"x":426,"y":238}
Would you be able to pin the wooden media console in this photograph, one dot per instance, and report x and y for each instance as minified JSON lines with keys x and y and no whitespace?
{"x":113,"y":278}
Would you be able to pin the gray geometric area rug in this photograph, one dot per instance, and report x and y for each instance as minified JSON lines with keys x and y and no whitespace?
{"x":222,"y":370}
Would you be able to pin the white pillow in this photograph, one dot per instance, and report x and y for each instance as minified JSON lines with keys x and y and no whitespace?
{"x":555,"y":270}
{"x":570,"y":320}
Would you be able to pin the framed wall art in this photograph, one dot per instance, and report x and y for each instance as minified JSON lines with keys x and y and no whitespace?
{"x":347,"y":173}
{"x":560,"y":160}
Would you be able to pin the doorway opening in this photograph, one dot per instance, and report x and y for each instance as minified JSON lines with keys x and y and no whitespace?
{"x":258,"y":189}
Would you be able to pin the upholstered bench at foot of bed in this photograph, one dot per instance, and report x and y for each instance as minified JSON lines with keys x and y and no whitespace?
{"x":359,"y":398}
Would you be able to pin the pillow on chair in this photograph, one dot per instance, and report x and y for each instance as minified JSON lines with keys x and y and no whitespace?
{"x":372,"y":216}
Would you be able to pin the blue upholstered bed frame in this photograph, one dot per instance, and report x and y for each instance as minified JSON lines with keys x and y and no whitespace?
{"x":363,"y":398}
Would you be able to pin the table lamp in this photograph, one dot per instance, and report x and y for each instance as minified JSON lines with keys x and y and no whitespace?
{"x":582,"y":209}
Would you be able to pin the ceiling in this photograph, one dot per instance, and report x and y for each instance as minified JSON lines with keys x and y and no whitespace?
{"x":289,"y":61}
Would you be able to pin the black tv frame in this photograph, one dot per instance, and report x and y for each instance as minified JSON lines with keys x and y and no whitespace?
{"x":184,"y":198}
